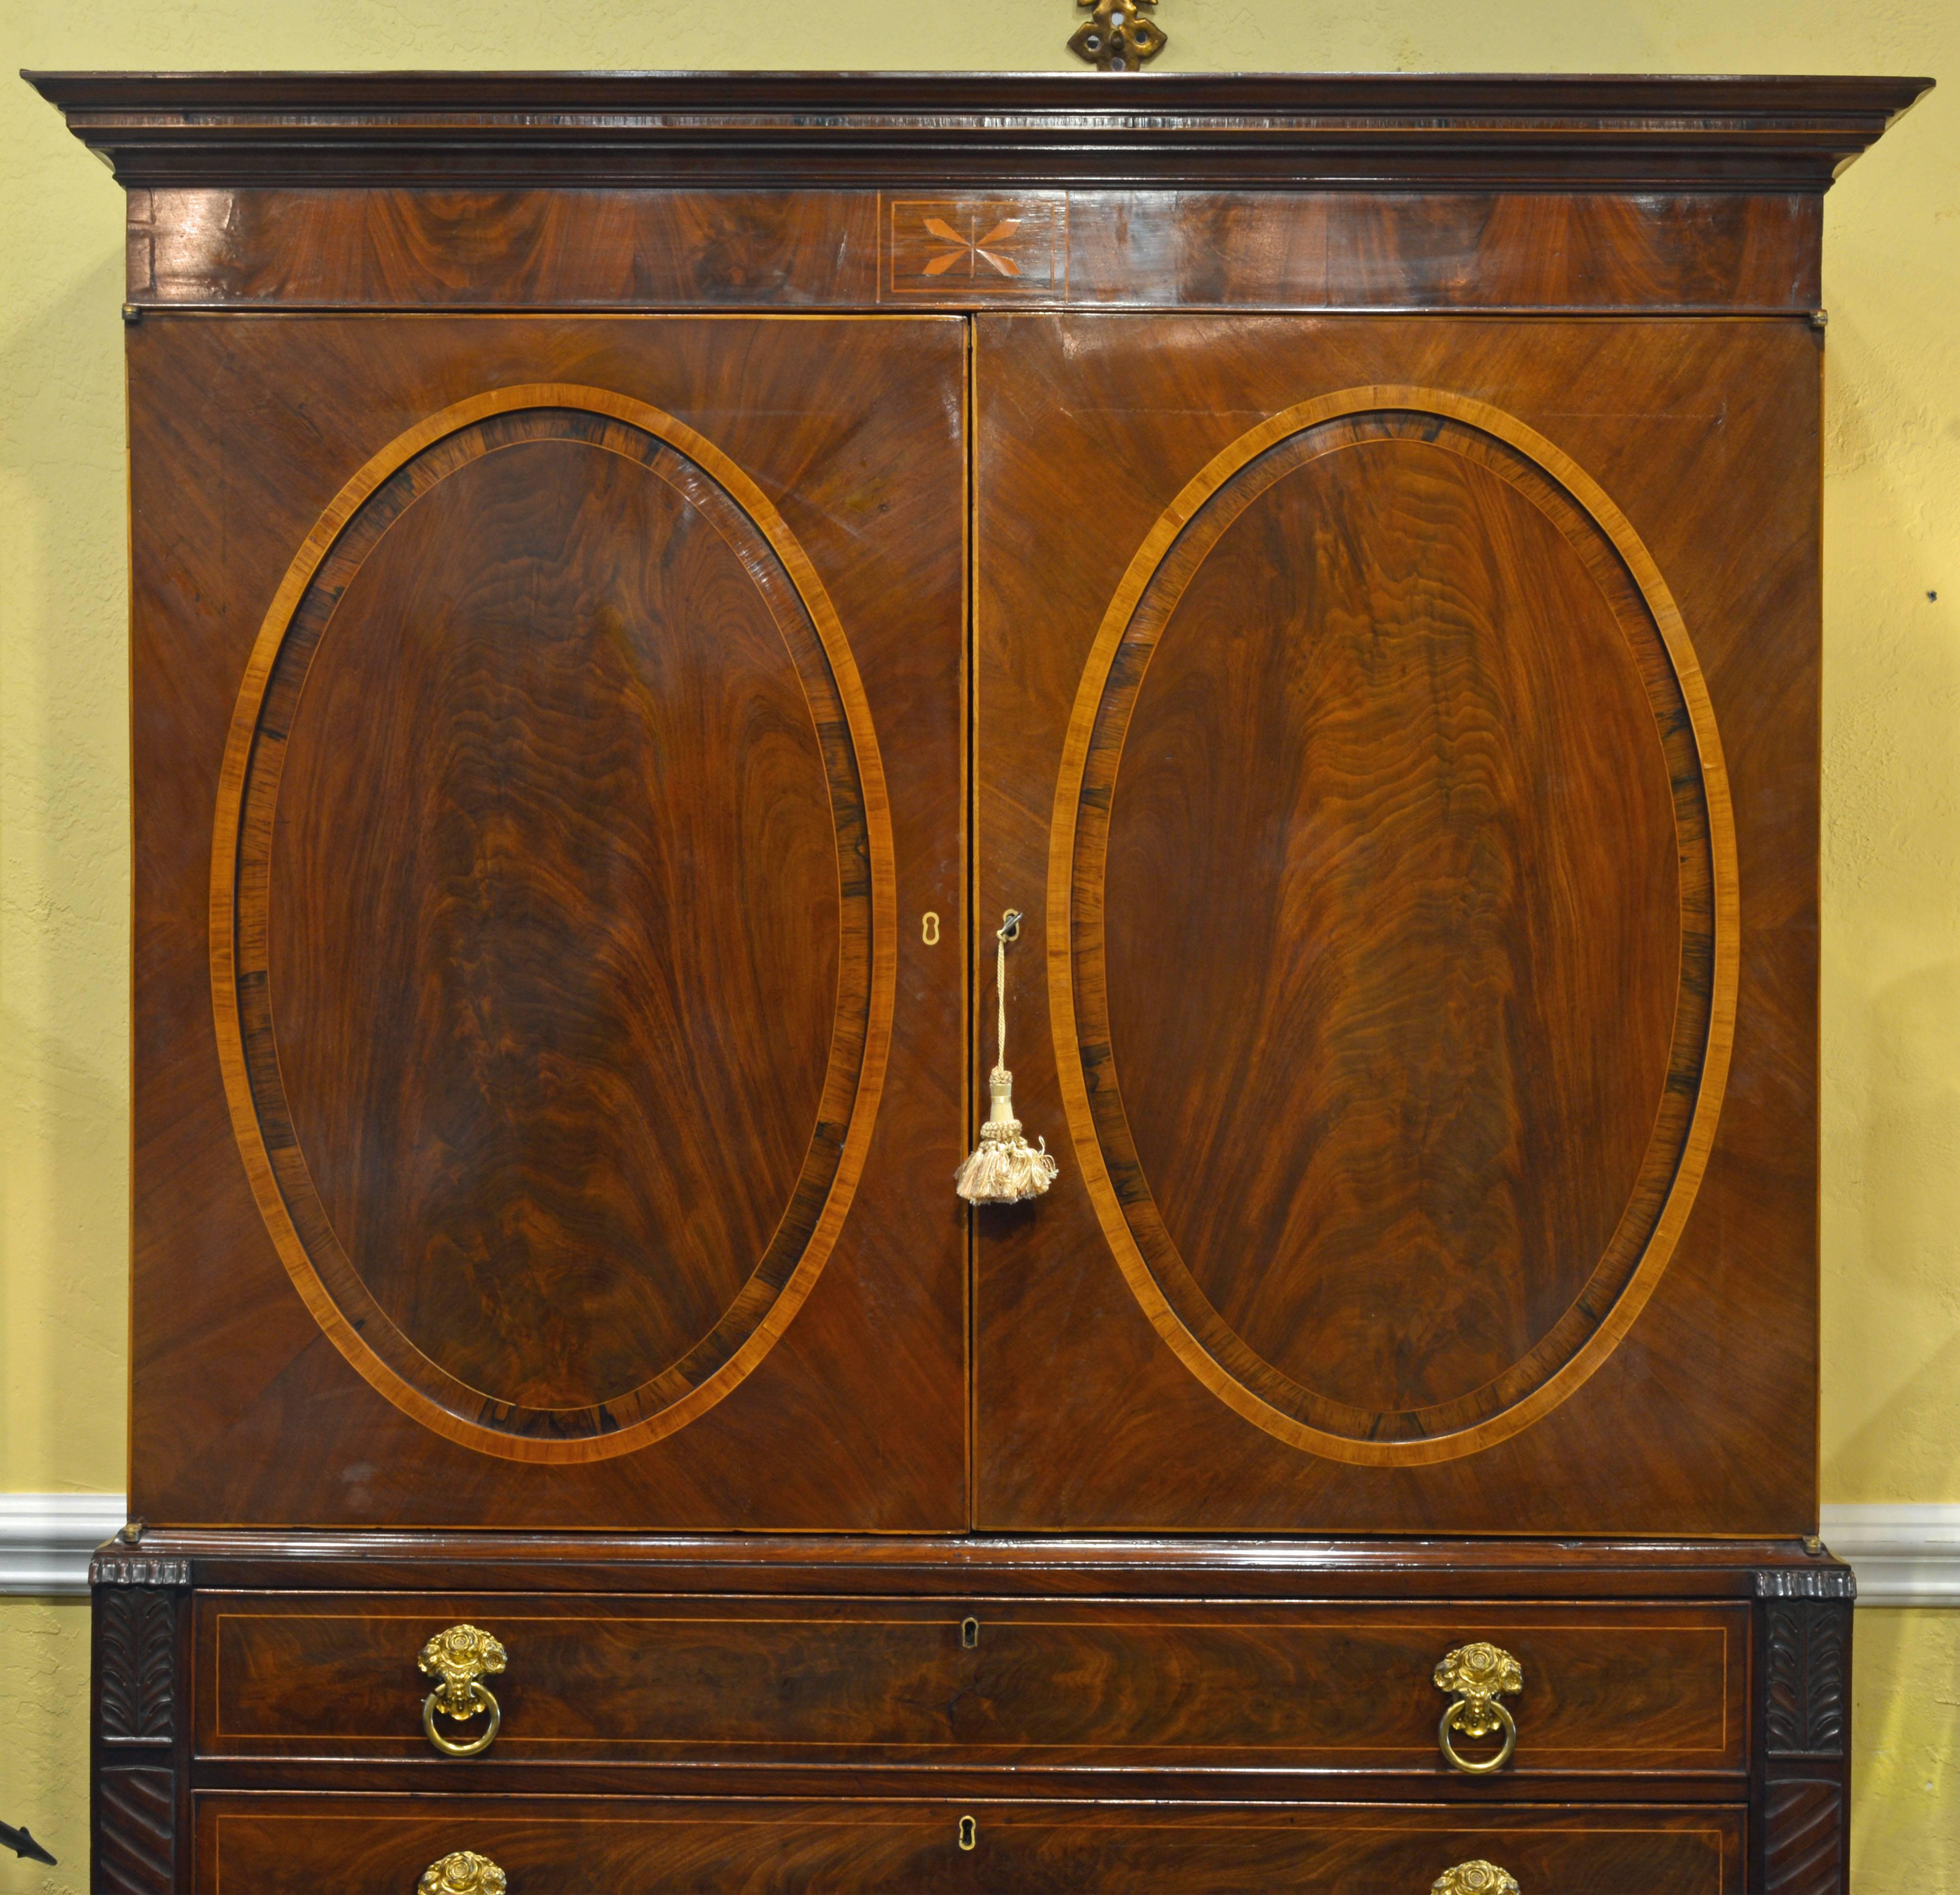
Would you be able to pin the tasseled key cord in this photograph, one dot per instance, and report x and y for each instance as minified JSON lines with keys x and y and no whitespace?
{"x":1006,"y":1169}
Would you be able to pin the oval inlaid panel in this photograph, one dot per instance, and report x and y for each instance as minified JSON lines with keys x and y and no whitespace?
{"x":1396,"y":989}
{"x":552,"y":1000}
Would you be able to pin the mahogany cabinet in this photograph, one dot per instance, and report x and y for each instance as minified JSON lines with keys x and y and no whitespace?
{"x":633,"y":578}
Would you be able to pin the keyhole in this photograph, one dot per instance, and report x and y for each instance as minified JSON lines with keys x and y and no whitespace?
{"x":969,"y":1634}
{"x":969,"y":1833}
{"x":929,"y":929}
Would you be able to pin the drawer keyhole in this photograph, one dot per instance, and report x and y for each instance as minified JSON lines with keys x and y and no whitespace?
{"x":969,"y":1634}
{"x":969,"y":1833}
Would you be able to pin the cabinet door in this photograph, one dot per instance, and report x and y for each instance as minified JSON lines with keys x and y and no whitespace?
{"x":1401,"y":735}
{"x":547,"y":744}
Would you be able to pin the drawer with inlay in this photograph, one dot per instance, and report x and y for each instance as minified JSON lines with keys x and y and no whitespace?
{"x":1510,"y":1689}
{"x":297,"y":1845}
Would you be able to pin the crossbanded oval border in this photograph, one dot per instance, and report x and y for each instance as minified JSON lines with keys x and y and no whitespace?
{"x":1698,"y":1139}
{"x":595,"y":1438}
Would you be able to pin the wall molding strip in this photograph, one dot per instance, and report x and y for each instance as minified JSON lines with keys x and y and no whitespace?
{"x":1903,"y":1556}
{"x":46,"y":1539}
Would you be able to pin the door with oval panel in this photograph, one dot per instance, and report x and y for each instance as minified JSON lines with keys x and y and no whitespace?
{"x":568,"y":715}
{"x":1411,"y":978}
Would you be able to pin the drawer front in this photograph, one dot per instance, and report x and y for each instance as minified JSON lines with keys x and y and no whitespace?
{"x":1619,"y":1689}
{"x":382,"y":1846}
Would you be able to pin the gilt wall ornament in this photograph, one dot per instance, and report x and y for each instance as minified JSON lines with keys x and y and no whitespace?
{"x":1116,"y":37}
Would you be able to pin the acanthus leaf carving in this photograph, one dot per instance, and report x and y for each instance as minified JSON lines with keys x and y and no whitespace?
{"x":1806,"y":1676}
{"x":136,"y":1681}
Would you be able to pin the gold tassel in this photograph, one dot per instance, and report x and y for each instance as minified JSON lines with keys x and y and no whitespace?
{"x":1006,"y":1169}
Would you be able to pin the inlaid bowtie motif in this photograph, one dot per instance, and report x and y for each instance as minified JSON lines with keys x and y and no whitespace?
{"x":973,"y":250}
{"x":965,"y":249}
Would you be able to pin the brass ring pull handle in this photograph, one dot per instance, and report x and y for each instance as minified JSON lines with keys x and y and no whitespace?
{"x":478,"y":1698}
{"x":1474,"y":1878}
{"x":1458,"y":1718}
{"x":1476,"y":1677}
{"x":459,"y":1659}
{"x":464,"y":1873}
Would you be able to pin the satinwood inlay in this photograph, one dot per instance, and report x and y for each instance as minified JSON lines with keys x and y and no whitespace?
{"x":474,"y":968}
{"x":978,"y":250}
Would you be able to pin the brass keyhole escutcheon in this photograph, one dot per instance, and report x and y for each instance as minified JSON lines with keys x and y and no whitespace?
{"x":969,"y":1634}
{"x":929,"y":927}
{"x":459,"y":1659}
{"x":969,"y":1833}
{"x":1476,"y":1677}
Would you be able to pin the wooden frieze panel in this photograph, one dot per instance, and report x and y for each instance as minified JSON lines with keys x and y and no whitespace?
{"x":708,"y":248}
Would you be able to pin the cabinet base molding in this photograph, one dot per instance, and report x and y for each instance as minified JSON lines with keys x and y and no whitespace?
{"x":1899,"y":1556}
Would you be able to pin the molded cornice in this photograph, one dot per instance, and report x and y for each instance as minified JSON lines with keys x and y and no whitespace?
{"x":1366,"y":131}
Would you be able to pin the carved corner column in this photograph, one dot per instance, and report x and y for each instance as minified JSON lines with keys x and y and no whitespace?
{"x":1803,"y":1732}
{"x":140,"y":1728}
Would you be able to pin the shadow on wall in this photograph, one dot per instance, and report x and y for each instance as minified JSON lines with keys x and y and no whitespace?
{"x":64,"y":825}
{"x":44,"y":1740}
{"x":1892,"y":1241}
{"x":1905,"y":1817}
{"x":1906,"y":1689}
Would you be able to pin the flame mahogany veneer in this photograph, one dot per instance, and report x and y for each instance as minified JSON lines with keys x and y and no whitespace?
{"x":631,"y":575}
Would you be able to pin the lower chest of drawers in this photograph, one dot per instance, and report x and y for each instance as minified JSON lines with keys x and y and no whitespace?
{"x":651,"y":1723}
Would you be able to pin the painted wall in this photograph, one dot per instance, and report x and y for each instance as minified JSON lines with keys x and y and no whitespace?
{"x":1891,"y":988}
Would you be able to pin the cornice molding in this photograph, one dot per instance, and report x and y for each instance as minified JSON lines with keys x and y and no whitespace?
{"x":46,"y":1539}
{"x":1366,"y":131}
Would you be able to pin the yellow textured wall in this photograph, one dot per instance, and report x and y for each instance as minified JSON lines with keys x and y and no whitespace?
{"x":1891,"y":987}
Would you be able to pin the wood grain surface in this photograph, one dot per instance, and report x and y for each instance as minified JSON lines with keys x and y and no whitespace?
{"x":1630,"y":1691}
{"x":586,"y":245}
{"x":1423,"y":790}
{"x":556,"y":938}
{"x":1373,"y":786}
{"x":328,"y":1846}
{"x":584,"y":864}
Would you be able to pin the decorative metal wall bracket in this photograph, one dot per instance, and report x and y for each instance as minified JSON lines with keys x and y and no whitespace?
{"x":1116,"y":37}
